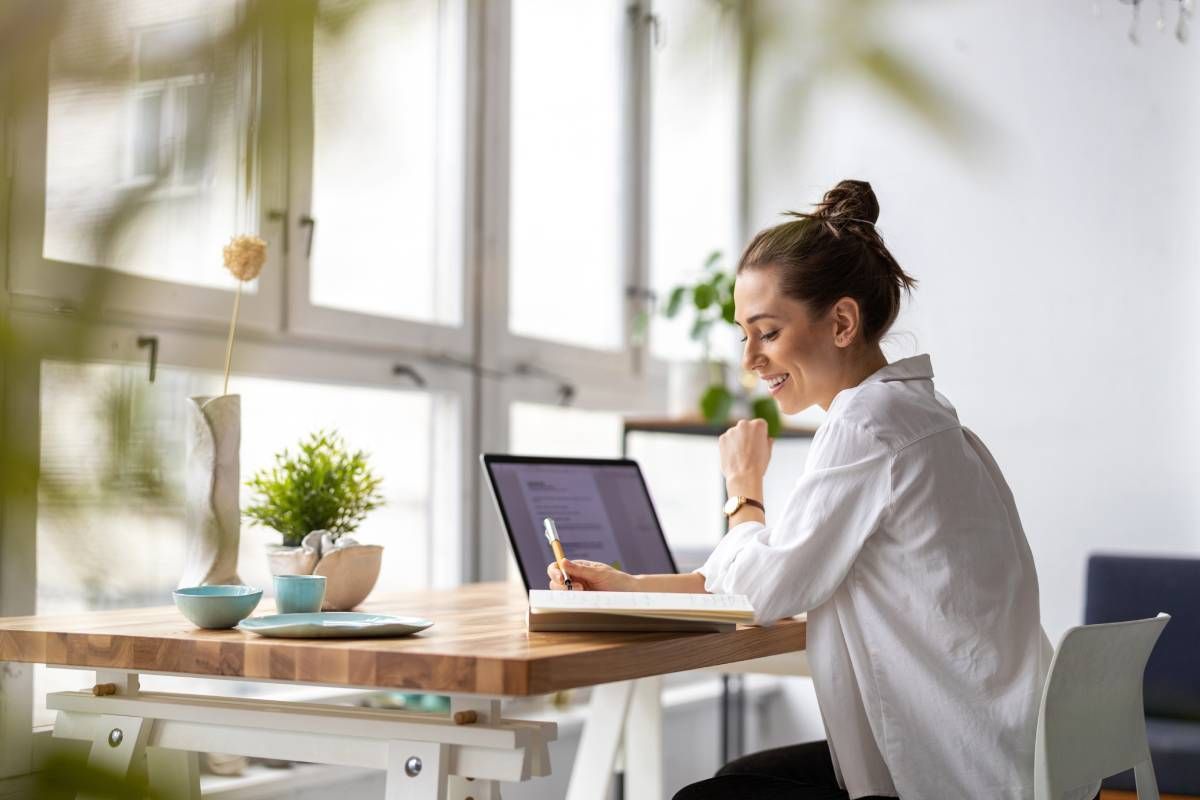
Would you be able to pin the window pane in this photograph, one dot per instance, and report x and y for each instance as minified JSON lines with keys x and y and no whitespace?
{"x":111,"y":503}
{"x":540,"y":430}
{"x":566,"y":247}
{"x":387,"y":186}
{"x":147,"y":106}
{"x":694,"y":194}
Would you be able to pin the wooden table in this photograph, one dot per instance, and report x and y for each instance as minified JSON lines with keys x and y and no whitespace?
{"x":478,"y":652}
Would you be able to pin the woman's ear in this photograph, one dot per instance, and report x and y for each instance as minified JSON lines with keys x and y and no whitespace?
{"x":847,"y":321}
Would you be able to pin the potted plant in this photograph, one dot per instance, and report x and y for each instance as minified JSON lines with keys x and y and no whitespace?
{"x":705,"y":385}
{"x":314,"y":499}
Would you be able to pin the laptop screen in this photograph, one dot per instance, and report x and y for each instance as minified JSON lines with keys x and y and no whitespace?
{"x":601,"y":508}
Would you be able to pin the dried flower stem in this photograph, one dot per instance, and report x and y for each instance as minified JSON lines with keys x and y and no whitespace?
{"x":237,"y":299}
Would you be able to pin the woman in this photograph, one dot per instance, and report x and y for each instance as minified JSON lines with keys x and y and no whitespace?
{"x":901,"y":540}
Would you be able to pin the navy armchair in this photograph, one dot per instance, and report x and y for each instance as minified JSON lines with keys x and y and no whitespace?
{"x":1135,"y":587}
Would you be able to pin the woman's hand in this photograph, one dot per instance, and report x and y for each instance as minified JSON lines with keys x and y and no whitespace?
{"x":592,"y":576}
{"x":745,"y":453}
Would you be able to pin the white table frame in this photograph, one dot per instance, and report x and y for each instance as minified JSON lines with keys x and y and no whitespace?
{"x":160,"y":735}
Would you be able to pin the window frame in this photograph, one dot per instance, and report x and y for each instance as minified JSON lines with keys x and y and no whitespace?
{"x":62,"y":286}
{"x":305,"y":317}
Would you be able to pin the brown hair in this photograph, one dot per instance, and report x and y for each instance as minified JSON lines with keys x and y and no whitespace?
{"x":835,"y":252}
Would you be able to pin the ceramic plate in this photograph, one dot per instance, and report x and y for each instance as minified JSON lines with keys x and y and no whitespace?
{"x":332,"y":625}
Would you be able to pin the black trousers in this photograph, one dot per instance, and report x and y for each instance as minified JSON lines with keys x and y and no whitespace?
{"x":798,"y":772}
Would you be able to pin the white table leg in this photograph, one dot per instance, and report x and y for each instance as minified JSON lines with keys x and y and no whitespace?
{"x":644,"y":742}
{"x":416,"y":771}
{"x":592,"y":773}
{"x":119,"y":747}
{"x":16,"y":719}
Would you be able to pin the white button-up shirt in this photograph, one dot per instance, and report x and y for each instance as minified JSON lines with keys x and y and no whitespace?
{"x":902,"y":542}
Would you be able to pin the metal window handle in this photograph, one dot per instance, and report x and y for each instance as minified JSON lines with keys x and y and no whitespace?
{"x":152,"y":343}
{"x":311,"y":224}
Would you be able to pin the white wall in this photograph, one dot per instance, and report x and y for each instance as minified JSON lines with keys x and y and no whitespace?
{"x":1058,"y":271}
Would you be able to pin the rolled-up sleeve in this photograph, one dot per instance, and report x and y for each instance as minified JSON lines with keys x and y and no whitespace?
{"x":796,"y":563}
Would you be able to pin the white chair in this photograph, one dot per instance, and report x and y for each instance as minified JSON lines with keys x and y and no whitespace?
{"x":1091,"y":724}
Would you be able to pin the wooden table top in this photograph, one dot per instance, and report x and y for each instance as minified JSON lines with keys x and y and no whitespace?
{"x":478,"y":644}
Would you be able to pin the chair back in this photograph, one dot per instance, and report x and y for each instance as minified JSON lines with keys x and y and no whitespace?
{"x":1091,"y":723}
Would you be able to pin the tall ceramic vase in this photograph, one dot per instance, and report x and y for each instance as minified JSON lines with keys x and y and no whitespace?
{"x":212,"y":482}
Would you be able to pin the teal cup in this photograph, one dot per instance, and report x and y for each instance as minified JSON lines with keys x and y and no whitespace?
{"x":299,"y":594}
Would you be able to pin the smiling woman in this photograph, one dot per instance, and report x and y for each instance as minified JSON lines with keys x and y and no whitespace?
{"x":901,"y":540}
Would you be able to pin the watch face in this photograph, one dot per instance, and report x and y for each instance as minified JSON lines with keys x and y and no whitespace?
{"x":732,"y":504}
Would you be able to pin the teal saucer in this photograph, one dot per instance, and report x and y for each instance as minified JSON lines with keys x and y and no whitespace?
{"x":332,"y":625}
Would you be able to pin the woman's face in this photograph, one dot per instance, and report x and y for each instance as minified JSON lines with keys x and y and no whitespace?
{"x":792,"y":352}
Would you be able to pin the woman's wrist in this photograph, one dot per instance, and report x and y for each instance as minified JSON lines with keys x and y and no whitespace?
{"x":745,"y":486}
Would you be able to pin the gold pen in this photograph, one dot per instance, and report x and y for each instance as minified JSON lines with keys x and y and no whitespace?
{"x":556,"y":546}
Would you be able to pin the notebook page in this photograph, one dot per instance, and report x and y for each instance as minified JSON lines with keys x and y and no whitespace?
{"x":547,"y":600}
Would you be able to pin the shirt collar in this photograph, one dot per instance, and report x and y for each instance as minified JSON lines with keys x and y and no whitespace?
{"x":916,"y":368}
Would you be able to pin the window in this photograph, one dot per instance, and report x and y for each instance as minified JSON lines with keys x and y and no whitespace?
{"x":387,"y":160}
{"x":693,"y":153}
{"x":567,"y":252}
{"x":111,"y":498}
{"x":159,"y":144}
{"x":169,"y":136}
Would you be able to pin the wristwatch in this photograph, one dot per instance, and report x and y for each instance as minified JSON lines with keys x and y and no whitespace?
{"x":737,"y":501}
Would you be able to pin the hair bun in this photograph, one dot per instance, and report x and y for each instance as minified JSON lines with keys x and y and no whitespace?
{"x":850,"y":199}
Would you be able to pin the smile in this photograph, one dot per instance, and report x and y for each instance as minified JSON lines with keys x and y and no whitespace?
{"x":775,"y":382}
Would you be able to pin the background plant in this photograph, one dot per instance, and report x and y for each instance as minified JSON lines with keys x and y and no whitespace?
{"x":710,"y":299}
{"x":323,"y":487}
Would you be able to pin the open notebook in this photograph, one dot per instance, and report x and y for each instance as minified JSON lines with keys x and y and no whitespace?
{"x":636,"y":611}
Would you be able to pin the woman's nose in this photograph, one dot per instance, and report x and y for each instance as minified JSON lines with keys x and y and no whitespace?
{"x":751,"y":357}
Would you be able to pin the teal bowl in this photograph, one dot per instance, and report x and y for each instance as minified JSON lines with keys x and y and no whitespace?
{"x":217,"y":606}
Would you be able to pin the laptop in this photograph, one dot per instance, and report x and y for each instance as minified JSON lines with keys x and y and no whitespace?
{"x":601,"y":507}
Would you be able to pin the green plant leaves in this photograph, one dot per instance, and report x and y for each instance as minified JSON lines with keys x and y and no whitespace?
{"x":324,"y":487}
{"x":674,"y":302}
{"x":703,"y":295}
{"x":716,"y":403}
{"x":765,"y":408}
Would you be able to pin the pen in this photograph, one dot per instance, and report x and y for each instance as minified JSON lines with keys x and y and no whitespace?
{"x":556,"y":546}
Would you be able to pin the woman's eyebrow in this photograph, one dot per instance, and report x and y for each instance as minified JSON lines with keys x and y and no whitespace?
{"x":757,"y":317}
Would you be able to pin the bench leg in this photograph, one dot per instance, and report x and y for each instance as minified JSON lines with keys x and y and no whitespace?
{"x":120,"y":747}
{"x":417,"y":771}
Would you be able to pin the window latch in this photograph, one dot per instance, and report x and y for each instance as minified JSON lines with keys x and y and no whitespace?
{"x":311,"y":224}
{"x":152,"y":343}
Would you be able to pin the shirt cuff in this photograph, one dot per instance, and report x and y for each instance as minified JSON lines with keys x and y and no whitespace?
{"x":717,"y":566}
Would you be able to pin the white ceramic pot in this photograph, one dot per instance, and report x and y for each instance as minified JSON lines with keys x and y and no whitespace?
{"x":284,"y":560}
{"x":686,"y":382}
{"x":350,"y":569}
{"x":350,"y":574}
